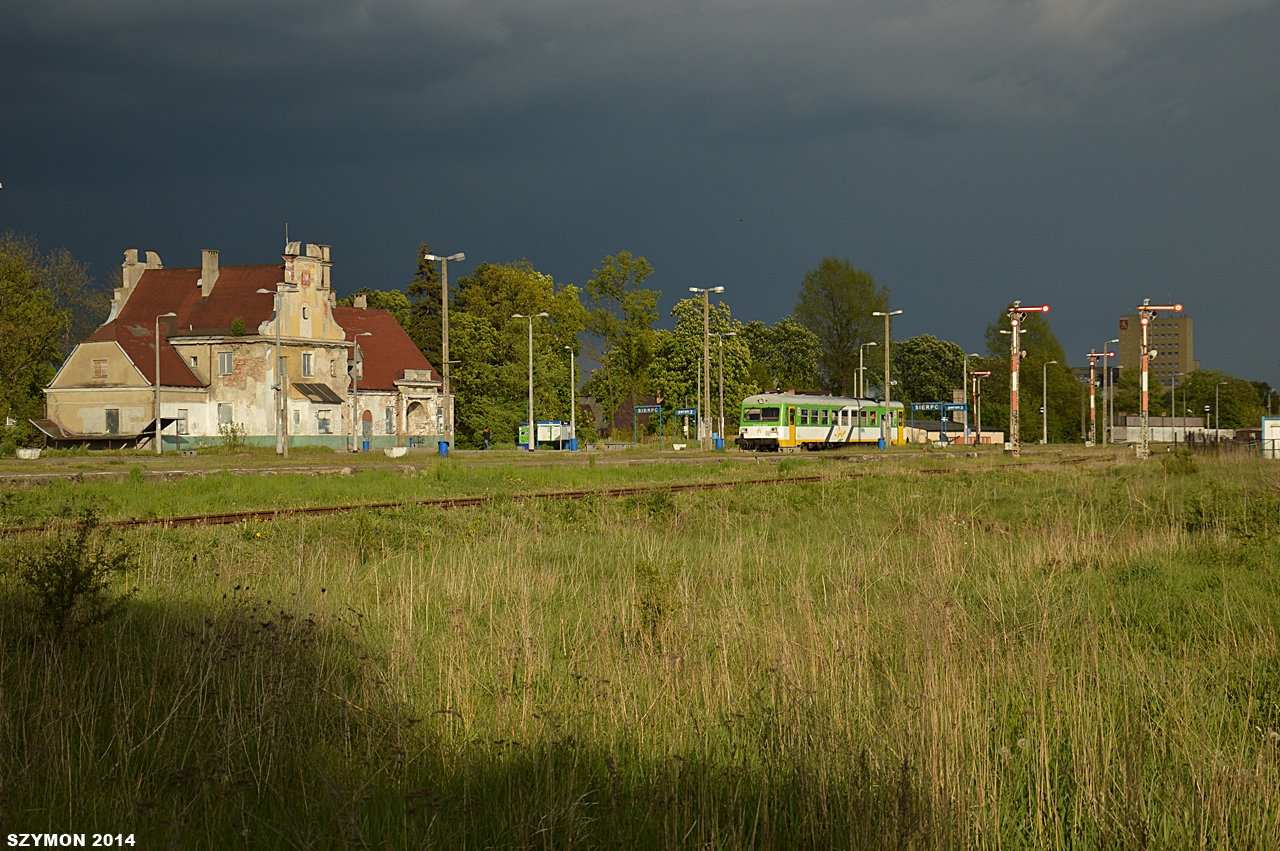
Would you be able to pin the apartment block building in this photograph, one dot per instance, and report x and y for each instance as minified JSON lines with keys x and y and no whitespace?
{"x":1173,"y":339}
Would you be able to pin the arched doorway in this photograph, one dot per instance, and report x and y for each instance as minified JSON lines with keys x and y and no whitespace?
{"x":366,"y":426}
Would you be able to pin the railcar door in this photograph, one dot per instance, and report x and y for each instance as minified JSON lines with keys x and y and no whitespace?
{"x":791,"y":425}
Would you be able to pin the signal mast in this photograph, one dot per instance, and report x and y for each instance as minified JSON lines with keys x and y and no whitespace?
{"x":1016,"y":355}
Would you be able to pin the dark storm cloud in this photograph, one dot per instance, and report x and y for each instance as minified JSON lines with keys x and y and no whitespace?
{"x":1089,"y":149}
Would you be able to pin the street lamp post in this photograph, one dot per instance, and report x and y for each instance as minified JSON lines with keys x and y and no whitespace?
{"x":1217,"y":421}
{"x":862,"y":370}
{"x":1147,"y":312}
{"x":533,"y":426}
{"x":573,"y":408}
{"x":1044,"y":402}
{"x":444,"y":341}
{"x":706,"y":354}
{"x":964,"y":388}
{"x":282,"y":417}
{"x":357,"y":359}
{"x":884,"y":420}
{"x":722,"y":335}
{"x":168,"y":315}
{"x":978,"y":375}
{"x":1109,"y":393}
{"x":1016,"y":312}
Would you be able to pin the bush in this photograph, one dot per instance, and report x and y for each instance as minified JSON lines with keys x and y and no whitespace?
{"x":72,"y":577}
{"x":237,"y":327}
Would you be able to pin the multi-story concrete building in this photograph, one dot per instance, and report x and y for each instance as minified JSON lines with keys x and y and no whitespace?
{"x":1171,"y":337}
{"x":218,"y":374}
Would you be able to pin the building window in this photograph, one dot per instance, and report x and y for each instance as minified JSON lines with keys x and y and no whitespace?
{"x":226,"y":363}
{"x":195,"y":361}
{"x":297,"y":420}
{"x":333,"y":369}
{"x":99,"y":369}
{"x":224,"y":413}
{"x":306,"y":312}
{"x":391,"y":420}
{"x":307,"y":370}
{"x":324,"y":425}
{"x":113,"y":420}
{"x":182,"y":421}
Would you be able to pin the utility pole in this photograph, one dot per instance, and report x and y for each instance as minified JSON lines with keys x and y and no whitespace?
{"x":444,"y":342}
{"x":885,"y":420}
{"x":1146,"y":312}
{"x":159,"y":450}
{"x":705,"y":372}
{"x":1016,"y":312}
{"x":1093,"y":417}
{"x":533,"y":426}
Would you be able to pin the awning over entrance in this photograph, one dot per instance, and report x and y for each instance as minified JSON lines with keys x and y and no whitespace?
{"x":319,"y":393}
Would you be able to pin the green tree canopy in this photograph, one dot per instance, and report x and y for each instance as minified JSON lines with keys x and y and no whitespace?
{"x":927,"y":369}
{"x":621,"y":318}
{"x":678,"y":358}
{"x":783,"y":356}
{"x":424,"y":325}
{"x":836,"y":302}
{"x":491,"y":380}
{"x":34,"y":326}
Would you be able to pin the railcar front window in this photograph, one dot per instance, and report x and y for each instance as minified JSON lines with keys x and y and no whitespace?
{"x":761,"y":415}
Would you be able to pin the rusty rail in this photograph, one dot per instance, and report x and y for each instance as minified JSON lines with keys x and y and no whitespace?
{"x":263,"y":515}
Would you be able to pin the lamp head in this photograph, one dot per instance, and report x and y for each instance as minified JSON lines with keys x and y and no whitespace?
{"x":542,"y":314}
{"x":457,"y":257}
{"x":168,"y":315}
{"x":717,"y":289}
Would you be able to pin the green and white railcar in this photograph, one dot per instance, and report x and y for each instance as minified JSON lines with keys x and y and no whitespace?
{"x":772,"y":422}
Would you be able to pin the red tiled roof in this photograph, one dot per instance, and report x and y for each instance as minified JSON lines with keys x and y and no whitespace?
{"x":388,"y":353}
{"x":235,"y":295}
{"x":138,"y":343}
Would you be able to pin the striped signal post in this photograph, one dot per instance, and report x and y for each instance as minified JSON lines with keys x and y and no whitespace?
{"x":1016,"y":311}
{"x":1146,"y":312}
{"x":1093,"y":411}
{"x":978,"y":375}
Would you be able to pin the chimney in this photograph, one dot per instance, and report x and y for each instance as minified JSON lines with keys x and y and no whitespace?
{"x":208,"y":271}
{"x":361,"y":301}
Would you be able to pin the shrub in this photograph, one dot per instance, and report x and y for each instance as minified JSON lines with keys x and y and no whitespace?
{"x":237,"y":327}
{"x":72,"y":578}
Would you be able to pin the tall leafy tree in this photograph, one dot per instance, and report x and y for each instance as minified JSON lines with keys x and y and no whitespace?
{"x":783,"y":355}
{"x":424,"y":322}
{"x":836,"y":302}
{"x":491,"y":380}
{"x":621,"y":317}
{"x":927,"y":369}
{"x":33,"y":325}
{"x":678,"y":358}
{"x":1064,"y":389}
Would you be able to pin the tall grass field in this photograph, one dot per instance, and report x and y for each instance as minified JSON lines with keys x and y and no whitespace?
{"x":1004,"y":658}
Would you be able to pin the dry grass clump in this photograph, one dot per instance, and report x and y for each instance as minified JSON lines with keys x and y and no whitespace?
{"x":1002,"y":659}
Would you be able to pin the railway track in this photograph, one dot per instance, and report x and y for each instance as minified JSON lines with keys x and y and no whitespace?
{"x":263,"y":515}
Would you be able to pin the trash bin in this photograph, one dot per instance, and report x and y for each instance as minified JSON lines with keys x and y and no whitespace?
{"x":365,"y":444}
{"x":880,"y":443}
{"x":443,"y":447}
{"x":719,"y":443}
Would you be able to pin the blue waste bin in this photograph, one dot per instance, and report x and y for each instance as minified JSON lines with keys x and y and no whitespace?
{"x":719,"y":443}
{"x":443,"y":447}
{"x":881,"y":443}
{"x":365,"y":444}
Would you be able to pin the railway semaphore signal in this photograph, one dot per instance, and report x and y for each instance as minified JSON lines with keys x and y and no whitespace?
{"x":1016,"y":311}
{"x":1093,"y":414}
{"x":1146,"y":312}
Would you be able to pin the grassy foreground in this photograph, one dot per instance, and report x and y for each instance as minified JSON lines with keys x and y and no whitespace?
{"x":992,"y":659}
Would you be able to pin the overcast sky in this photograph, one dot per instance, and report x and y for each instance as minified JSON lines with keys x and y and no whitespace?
{"x":1085,"y":153}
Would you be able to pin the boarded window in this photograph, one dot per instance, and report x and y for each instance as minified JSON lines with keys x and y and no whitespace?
{"x":182,"y":421}
{"x":100,"y":369}
{"x":113,"y":420}
{"x":391,"y":420}
{"x":324,"y":422}
{"x":224,"y":413}
{"x":226,"y":364}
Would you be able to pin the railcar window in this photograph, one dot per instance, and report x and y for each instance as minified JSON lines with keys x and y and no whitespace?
{"x":804,"y":416}
{"x":761,"y":415}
